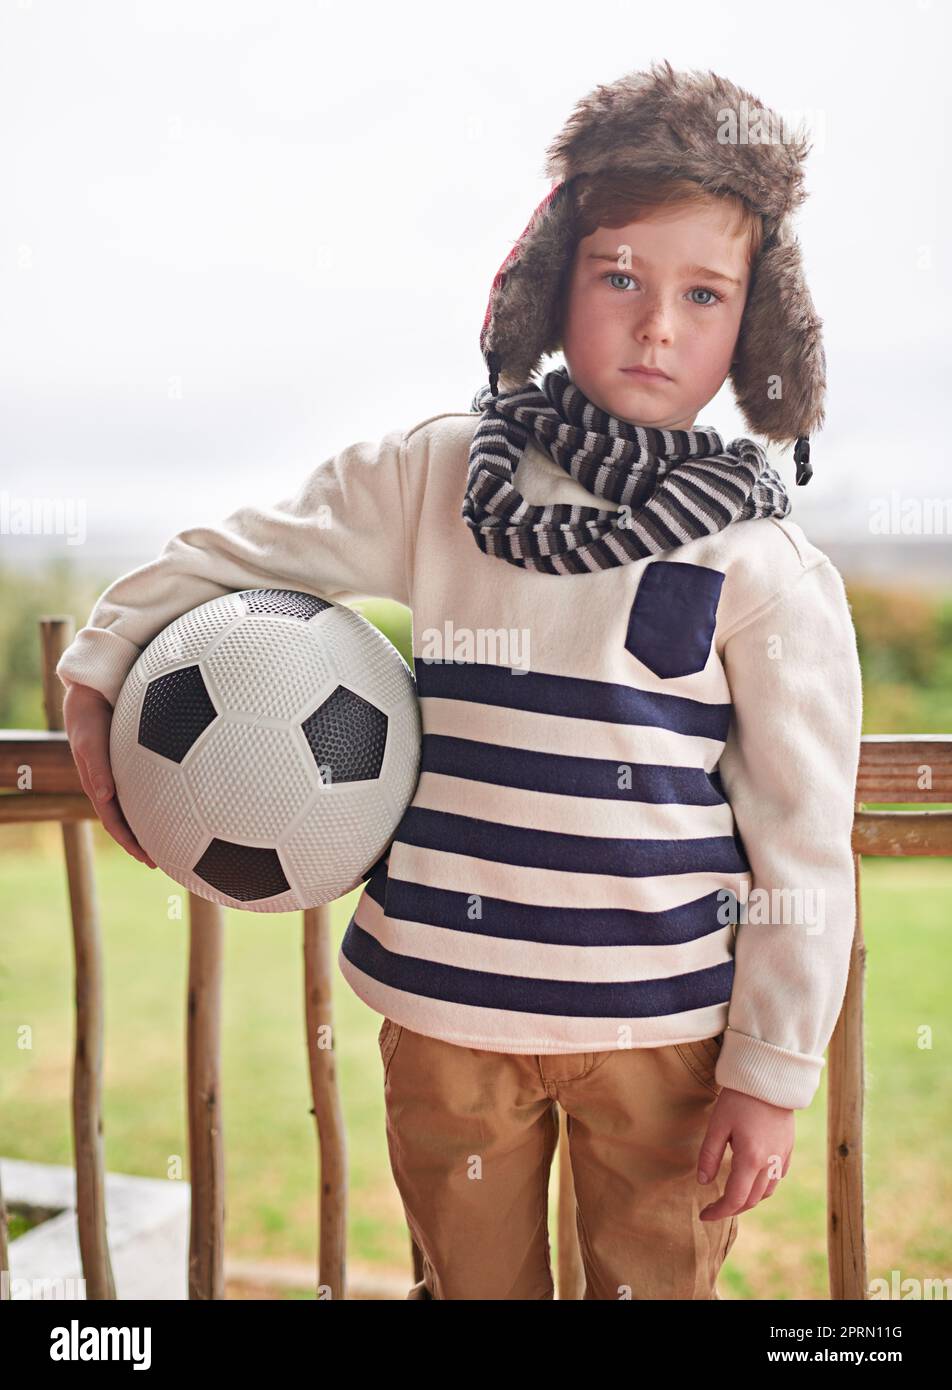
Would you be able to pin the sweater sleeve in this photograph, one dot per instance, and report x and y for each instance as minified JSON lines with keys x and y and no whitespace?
{"x":789,"y":769}
{"x":341,"y":536}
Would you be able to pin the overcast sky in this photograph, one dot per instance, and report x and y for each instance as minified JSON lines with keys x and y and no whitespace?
{"x":239,"y":234}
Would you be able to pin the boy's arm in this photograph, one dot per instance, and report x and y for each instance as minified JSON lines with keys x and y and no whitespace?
{"x":789,"y":770}
{"x":342,"y":535}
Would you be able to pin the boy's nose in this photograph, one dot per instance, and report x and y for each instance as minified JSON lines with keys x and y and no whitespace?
{"x":653,"y":327}
{"x":654,"y":318}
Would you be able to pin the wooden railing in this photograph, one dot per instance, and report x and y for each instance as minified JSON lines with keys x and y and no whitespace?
{"x":39,"y":782}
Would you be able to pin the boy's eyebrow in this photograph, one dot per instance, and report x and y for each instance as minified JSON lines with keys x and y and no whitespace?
{"x":686,"y":270}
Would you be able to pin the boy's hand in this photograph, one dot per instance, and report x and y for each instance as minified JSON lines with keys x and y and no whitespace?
{"x":87,"y":716}
{"x":761,"y":1137}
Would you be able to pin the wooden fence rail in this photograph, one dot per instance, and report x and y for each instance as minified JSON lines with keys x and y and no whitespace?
{"x":39,"y":782}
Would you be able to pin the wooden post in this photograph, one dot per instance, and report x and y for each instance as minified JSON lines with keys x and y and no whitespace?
{"x":571,"y":1276}
{"x":56,"y":633}
{"x":328,"y":1116}
{"x":846,"y":1227}
{"x":206,"y":1248}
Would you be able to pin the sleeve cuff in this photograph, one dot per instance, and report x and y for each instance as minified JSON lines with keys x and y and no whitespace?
{"x":758,"y":1068}
{"x":99,"y":658}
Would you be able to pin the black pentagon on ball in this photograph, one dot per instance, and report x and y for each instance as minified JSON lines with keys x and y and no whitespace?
{"x":347,"y":735}
{"x":176,"y":709}
{"x":245,"y":872}
{"x":290,"y":603}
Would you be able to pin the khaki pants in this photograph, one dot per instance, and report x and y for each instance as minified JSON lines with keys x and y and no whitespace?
{"x":472,"y":1135}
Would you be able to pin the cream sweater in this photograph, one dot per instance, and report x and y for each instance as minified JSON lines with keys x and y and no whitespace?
{"x":610,"y":763}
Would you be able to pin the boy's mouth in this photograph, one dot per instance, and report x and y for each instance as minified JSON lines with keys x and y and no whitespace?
{"x":646,"y":373}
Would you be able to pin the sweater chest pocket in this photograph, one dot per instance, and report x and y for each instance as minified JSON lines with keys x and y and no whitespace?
{"x":672,"y":618}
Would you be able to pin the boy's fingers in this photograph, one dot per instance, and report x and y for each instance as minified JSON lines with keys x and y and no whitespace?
{"x":96,"y":785}
{"x":87,"y":786}
{"x":743,"y":1175}
{"x":116,"y":825}
{"x":712,"y":1150}
{"x":92,"y":767}
{"x":757,"y":1191}
{"x":102,"y":785}
{"x":90,"y":721}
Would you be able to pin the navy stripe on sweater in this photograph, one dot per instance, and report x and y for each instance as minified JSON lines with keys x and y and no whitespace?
{"x":553,"y":926}
{"x":674,"y":994}
{"x":583,"y":854}
{"x":568,"y":697}
{"x":564,"y":775}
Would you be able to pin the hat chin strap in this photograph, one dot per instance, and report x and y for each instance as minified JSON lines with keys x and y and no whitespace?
{"x":801,"y":456}
{"x":492,"y":362}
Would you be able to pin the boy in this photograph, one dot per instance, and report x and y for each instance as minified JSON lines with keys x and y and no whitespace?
{"x":625,"y":880}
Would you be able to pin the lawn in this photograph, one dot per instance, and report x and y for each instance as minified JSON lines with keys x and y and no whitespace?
{"x":269,"y":1132}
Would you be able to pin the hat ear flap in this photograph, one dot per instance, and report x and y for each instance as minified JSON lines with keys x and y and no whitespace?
{"x":521,"y":320}
{"x":779,"y":371}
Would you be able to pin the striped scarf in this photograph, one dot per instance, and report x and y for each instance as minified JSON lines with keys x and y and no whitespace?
{"x":672,"y":486}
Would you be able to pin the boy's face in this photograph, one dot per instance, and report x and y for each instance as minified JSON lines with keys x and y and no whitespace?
{"x":633,"y":300}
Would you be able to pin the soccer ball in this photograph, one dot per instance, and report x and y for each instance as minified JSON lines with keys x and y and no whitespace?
{"x":264,"y":748}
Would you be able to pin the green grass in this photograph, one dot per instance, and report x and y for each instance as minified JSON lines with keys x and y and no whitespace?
{"x":270,"y":1135}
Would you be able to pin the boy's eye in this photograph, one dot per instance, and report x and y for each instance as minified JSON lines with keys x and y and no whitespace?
{"x":702,"y":289}
{"x":715,"y":298}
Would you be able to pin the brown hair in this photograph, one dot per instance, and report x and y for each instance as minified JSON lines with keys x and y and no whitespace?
{"x":615,"y":200}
